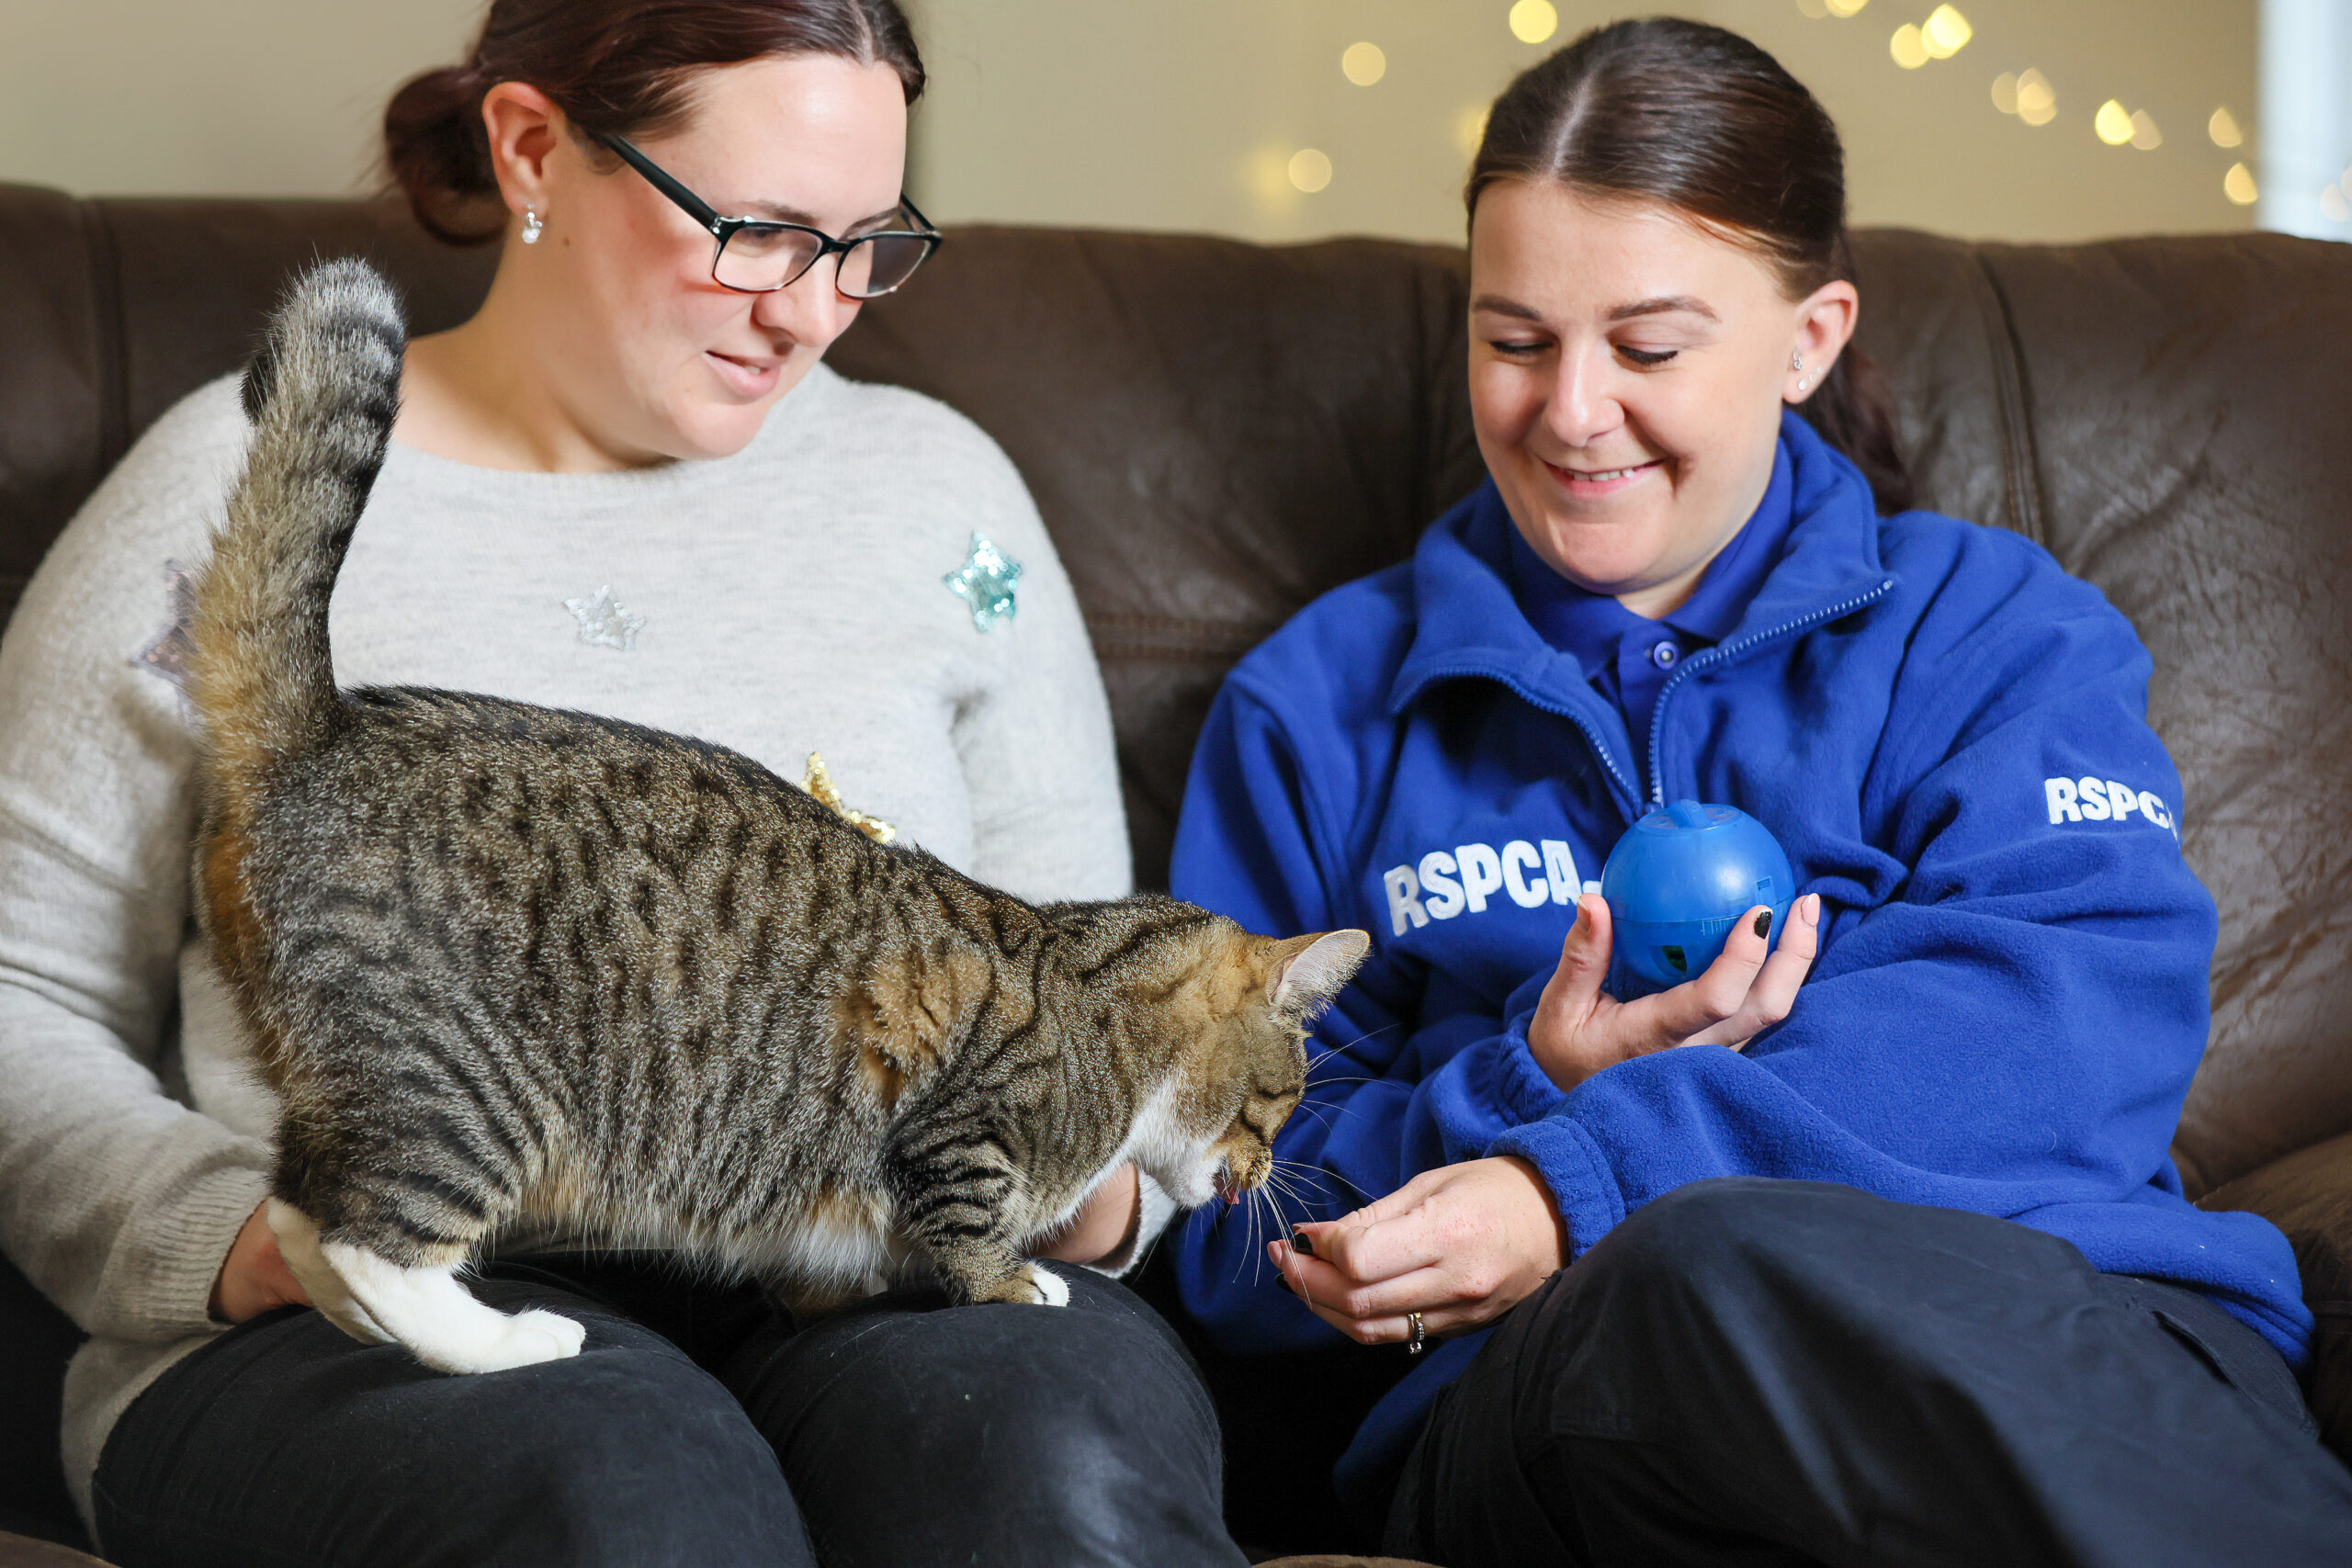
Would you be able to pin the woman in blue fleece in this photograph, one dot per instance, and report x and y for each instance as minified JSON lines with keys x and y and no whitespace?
{"x":1891,"y":1266}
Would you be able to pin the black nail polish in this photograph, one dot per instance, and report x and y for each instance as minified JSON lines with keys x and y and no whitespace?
{"x":1763,"y":922}
{"x":1302,"y":1244}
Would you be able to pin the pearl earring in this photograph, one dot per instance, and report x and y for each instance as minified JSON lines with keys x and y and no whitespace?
{"x":1796,"y":362}
{"x":532,"y":227}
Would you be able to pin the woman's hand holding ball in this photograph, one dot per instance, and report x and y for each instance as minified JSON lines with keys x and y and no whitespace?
{"x":1464,"y":1244}
{"x":1579,"y":1029}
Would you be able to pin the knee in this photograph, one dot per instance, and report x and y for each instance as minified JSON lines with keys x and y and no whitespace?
{"x":631,"y":1455}
{"x":1082,"y":1400}
{"x":1720,"y":1234}
{"x":1682,"y":1281}
{"x":1071,"y":1434}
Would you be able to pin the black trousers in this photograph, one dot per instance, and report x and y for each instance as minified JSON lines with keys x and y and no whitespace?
{"x":695,"y":1428}
{"x":1762,"y":1372}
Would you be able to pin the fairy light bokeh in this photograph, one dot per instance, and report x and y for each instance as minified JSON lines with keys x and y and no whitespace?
{"x":1995,"y":118}
{"x":1980,"y":117}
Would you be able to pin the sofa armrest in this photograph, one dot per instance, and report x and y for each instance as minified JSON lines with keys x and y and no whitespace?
{"x":2309,"y":1195}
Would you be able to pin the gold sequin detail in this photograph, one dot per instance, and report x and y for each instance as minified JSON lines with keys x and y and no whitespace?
{"x":820,"y":783}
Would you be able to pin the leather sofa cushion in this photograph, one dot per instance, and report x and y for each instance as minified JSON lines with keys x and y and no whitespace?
{"x":1216,"y":432}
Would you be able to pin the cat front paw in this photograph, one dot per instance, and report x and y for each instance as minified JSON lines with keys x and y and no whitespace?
{"x":523,"y":1340}
{"x":1052,"y":1289}
{"x":569,"y":1334}
{"x":1027,"y":1285}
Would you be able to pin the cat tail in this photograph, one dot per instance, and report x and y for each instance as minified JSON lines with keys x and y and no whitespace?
{"x":321,"y":394}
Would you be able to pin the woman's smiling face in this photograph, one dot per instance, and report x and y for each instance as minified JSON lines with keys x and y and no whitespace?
{"x":655,"y":358}
{"x":1627,"y":372}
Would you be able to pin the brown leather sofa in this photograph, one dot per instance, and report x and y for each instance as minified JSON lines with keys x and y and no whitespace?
{"x":1218,"y":432}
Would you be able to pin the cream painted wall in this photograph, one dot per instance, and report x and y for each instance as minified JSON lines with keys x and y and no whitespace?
{"x":245,"y":97}
{"x":1151,"y":114}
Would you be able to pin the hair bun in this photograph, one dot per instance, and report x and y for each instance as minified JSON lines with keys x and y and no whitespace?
{"x":439,"y":156}
{"x":622,"y":65}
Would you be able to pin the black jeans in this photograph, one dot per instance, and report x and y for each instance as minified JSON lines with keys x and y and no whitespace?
{"x":696,"y":1427}
{"x":1777,"y":1372}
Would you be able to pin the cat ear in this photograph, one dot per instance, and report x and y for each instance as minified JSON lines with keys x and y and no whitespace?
{"x":1312,"y":969}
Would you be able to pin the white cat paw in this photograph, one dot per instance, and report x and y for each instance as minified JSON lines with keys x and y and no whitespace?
{"x":526,"y":1339}
{"x":1052,"y":1289}
{"x":570,"y":1333}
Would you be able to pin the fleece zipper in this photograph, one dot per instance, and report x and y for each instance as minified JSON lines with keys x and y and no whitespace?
{"x":1721,"y":653}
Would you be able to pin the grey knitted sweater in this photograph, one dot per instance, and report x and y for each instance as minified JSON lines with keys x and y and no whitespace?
{"x":782,"y":600}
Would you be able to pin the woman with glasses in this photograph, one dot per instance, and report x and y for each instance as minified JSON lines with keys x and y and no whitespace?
{"x":626,"y":485}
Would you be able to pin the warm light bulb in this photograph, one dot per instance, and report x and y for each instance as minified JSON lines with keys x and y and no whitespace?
{"x":2113,"y":123}
{"x":1908,"y":47}
{"x":2004,"y":92}
{"x":2037,"y":99}
{"x":2145,"y":134}
{"x":1533,"y":21}
{"x":1266,"y":174}
{"x":1363,"y":64}
{"x":2238,"y":185}
{"x":1309,"y":169}
{"x":1846,"y":7}
{"x":1946,"y":32}
{"x":1470,"y":129}
{"x":1812,"y":8}
{"x":2223,"y":129}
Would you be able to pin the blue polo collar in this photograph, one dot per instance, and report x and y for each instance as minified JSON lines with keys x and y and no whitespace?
{"x":1469,"y":624}
{"x":1591,"y":626}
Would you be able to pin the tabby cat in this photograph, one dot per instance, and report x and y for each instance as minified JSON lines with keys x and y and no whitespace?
{"x":507,"y":963}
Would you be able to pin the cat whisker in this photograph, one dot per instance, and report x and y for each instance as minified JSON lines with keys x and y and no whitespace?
{"x":1256,"y":1250}
{"x":1355,"y":1040}
{"x":1299,"y":1184}
{"x":1325,"y":1083}
{"x":1257,"y":1246}
{"x":1276,"y":1181}
{"x":1317,"y":1207}
{"x":1322,"y":1057}
{"x":1275,"y":1196}
{"x":1321,"y":1120}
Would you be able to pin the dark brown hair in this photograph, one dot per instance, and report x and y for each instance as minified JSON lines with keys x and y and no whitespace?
{"x":616,"y":65}
{"x":1707,"y":123}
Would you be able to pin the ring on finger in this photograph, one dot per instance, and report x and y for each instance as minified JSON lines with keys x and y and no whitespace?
{"x":1413,"y":1346}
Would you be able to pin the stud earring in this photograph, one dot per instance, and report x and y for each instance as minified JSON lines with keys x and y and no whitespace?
{"x":1796,"y":362}
{"x":532,"y":227}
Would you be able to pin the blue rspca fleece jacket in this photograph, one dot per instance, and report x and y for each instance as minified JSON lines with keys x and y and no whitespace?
{"x":1949,"y":735}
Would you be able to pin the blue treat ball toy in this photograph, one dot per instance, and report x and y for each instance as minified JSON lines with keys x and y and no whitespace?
{"x":1679,"y":879}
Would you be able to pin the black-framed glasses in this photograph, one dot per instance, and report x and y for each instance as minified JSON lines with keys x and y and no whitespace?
{"x":760,"y":255}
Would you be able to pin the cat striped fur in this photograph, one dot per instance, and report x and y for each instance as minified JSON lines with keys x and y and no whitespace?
{"x":506,"y":964}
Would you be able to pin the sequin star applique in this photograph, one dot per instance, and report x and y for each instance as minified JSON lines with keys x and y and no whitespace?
{"x":820,"y":783}
{"x":168,"y":653}
{"x":602,"y":621}
{"x":985,"y":582}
